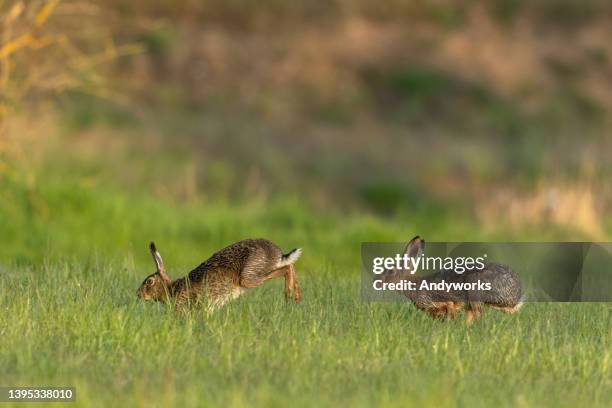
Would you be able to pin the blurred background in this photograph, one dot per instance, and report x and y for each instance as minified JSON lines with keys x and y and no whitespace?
{"x":322,"y":124}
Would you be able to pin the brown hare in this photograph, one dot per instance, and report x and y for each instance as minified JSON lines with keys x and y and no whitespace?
{"x":224,"y":276}
{"x":505,"y":292}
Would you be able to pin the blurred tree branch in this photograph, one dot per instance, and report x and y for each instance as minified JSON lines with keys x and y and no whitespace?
{"x":40,"y":57}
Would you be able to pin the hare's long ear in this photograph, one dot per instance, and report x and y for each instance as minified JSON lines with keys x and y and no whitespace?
{"x":159,"y":263}
{"x":415,"y":247}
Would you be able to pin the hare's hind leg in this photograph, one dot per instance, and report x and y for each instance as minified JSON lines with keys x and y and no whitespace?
{"x":469,"y":317}
{"x":507,"y":309}
{"x":250,"y":279}
{"x":292,"y":288}
{"x":472,"y":311}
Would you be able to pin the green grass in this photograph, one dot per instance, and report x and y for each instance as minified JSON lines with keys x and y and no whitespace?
{"x":80,"y":324}
{"x":73,"y":250}
{"x":70,"y":315}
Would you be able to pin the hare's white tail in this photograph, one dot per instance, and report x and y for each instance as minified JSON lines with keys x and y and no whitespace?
{"x":510,"y":309}
{"x":516,"y":307}
{"x":290,"y":258}
{"x":519,"y":305}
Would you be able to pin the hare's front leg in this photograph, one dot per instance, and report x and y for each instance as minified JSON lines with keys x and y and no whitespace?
{"x":452,"y":309}
{"x":182,"y":304}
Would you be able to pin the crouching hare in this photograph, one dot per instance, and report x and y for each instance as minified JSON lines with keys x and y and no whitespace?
{"x":505,"y":292}
{"x":224,"y":276}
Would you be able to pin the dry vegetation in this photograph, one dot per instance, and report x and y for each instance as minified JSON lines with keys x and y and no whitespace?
{"x":512,"y":119}
{"x":51,"y":47}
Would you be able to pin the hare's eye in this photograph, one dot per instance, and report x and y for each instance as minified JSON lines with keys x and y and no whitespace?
{"x":150,"y":281}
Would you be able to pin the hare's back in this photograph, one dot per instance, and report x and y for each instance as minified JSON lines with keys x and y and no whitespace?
{"x":249,"y":253}
{"x":263,"y":256}
{"x":505,"y":286}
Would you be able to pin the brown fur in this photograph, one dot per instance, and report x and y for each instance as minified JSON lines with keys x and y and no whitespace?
{"x":224,"y":276}
{"x":448,"y":306}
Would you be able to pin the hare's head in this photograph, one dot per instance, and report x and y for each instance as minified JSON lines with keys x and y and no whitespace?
{"x":414,"y":249}
{"x":157,"y":285}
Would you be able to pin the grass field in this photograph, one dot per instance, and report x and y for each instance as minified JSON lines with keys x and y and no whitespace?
{"x":196,"y":124}
{"x":80,"y":324}
{"x":74,"y":258}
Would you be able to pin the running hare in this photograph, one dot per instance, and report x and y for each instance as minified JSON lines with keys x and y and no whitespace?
{"x":224,"y":276}
{"x":504,"y":293}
